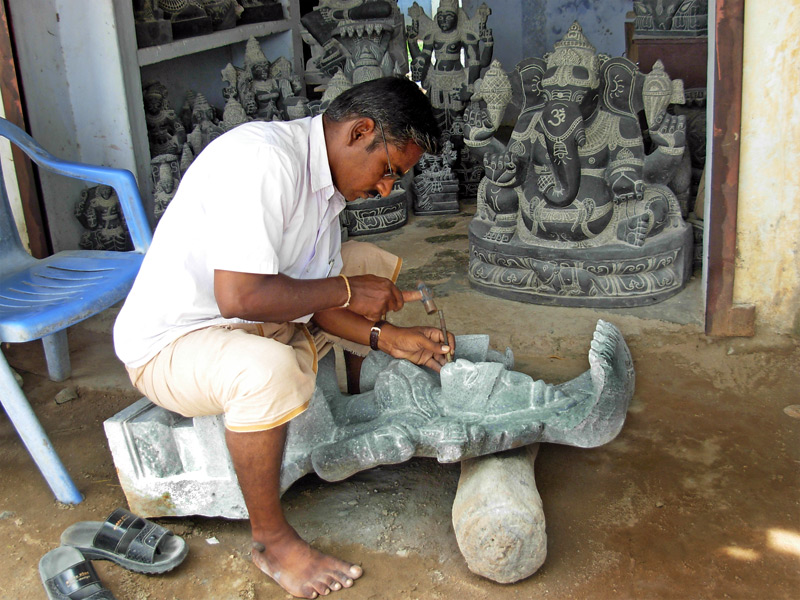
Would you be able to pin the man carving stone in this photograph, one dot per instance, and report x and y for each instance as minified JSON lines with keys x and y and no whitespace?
{"x":247,"y":284}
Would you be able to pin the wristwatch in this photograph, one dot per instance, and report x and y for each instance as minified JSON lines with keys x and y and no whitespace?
{"x":375,"y":333}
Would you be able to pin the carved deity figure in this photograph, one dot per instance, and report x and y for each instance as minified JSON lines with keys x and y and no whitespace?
{"x":438,"y":65}
{"x":205,"y":125}
{"x":99,"y":211}
{"x":478,"y":405}
{"x":578,"y":175}
{"x":234,"y":113}
{"x":166,"y":177}
{"x":165,"y":132}
{"x":264,"y":87}
{"x":673,"y":18}
{"x":357,"y":40}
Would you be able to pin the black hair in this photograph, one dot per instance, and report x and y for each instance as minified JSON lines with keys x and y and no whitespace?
{"x":398,"y":104}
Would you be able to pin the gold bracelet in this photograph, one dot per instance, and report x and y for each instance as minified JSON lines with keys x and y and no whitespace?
{"x":349,"y":293}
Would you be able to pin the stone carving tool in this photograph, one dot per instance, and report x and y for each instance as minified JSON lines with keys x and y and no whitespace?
{"x":430,"y":308}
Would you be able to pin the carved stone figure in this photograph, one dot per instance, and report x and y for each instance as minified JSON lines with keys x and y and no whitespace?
{"x":234,"y":113}
{"x":449,"y":81}
{"x":438,"y":65}
{"x":362,"y":39}
{"x":100,"y":213}
{"x":265,"y":88}
{"x":435,"y":187}
{"x":152,"y":29}
{"x":165,"y":132}
{"x":577,"y":209}
{"x":258,"y":11}
{"x":166,"y":177}
{"x":671,"y":18}
{"x":205,"y":124}
{"x":223,"y":13}
{"x":188,"y":17}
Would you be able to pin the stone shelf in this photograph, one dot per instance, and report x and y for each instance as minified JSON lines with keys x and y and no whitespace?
{"x":184,"y":47}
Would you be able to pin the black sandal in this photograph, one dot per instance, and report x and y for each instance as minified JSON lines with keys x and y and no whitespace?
{"x":130,"y":541}
{"x":67,"y":575}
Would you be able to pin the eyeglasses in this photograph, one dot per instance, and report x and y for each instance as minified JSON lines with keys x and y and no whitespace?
{"x":390,"y":172}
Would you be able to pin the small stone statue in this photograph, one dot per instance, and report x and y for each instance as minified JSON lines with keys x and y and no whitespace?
{"x":205,"y":124}
{"x":671,"y":18}
{"x":188,"y":17}
{"x":265,"y":88}
{"x":438,"y":64}
{"x":99,"y":211}
{"x":166,"y":177}
{"x":234,"y":113}
{"x":362,"y":39}
{"x":223,"y":13}
{"x":435,"y":186}
{"x":165,"y":132}
{"x":258,"y":11}
{"x":152,"y":29}
{"x":450,"y":82}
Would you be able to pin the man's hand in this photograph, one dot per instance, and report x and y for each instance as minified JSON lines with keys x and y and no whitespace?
{"x":424,"y":346}
{"x":372,"y":296}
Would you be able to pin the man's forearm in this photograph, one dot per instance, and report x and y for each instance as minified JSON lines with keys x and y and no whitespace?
{"x":275,"y":298}
{"x":344,"y":324}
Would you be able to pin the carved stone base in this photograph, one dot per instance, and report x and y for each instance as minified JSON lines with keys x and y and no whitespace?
{"x":444,"y":202}
{"x":376,"y":215}
{"x":610,"y":276}
{"x":153,"y":33}
{"x":191,"y":27}
{"x":258,"y":14}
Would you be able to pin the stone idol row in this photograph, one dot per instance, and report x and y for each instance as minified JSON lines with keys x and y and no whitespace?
{"x":162,"y":21}
{"x":259,"y":90}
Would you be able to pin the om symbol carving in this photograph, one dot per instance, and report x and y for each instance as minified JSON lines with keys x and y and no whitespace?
{"x":559,"y":114}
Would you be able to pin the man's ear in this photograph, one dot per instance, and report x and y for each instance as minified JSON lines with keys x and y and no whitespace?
{"x":361,"y":129}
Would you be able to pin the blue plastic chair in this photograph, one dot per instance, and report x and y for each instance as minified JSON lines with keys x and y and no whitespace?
{"x":39,"y":299}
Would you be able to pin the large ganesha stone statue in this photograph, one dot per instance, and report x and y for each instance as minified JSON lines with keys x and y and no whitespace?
{"x":583,"y":206}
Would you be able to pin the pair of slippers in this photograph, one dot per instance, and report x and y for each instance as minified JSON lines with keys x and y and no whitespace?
{"x":130,"y":541}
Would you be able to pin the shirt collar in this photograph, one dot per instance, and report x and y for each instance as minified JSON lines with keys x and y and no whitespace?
{"x":318,"y":156}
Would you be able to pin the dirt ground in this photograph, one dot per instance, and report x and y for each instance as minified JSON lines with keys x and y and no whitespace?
{"x":698,"y":497}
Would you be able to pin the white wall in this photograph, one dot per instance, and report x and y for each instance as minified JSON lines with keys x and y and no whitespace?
{"x":768,"y":225}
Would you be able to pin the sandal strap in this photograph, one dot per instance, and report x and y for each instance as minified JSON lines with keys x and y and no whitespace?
{"x":79,"y":582}
{"x":135,"y":538}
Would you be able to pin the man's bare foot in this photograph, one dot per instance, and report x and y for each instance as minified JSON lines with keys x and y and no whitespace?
{"x":301,"y":570}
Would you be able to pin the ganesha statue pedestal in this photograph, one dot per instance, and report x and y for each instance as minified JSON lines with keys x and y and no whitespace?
{"x":608,"y":276}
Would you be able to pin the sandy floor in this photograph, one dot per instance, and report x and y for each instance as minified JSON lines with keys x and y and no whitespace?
{"x":698,"y":497}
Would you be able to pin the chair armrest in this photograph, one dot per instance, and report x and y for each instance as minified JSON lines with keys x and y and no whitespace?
{"x":122,"y":180}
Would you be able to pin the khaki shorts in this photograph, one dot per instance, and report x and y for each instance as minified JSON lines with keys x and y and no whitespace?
{"x":259,"y":375}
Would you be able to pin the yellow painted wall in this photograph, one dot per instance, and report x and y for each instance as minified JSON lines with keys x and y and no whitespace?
{"x":768,"y":230}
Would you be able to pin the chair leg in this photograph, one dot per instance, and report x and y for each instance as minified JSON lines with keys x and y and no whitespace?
{"x":56,"y":352}
{"x":21,"y":414}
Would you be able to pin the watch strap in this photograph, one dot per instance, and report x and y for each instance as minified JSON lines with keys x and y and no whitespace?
{"x":375,"y":333}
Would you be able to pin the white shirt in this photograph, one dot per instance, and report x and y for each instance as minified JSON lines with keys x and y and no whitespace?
{"x":259,"y":199}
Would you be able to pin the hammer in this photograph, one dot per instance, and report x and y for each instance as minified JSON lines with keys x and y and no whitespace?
{"x":430,"y":308}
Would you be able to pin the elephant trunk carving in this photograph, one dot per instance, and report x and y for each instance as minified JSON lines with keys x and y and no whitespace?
{"x":563,"y":129}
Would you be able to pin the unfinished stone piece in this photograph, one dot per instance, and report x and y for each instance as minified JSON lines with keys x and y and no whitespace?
{"x":478,"y":406}
{"x":498,"y":517}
